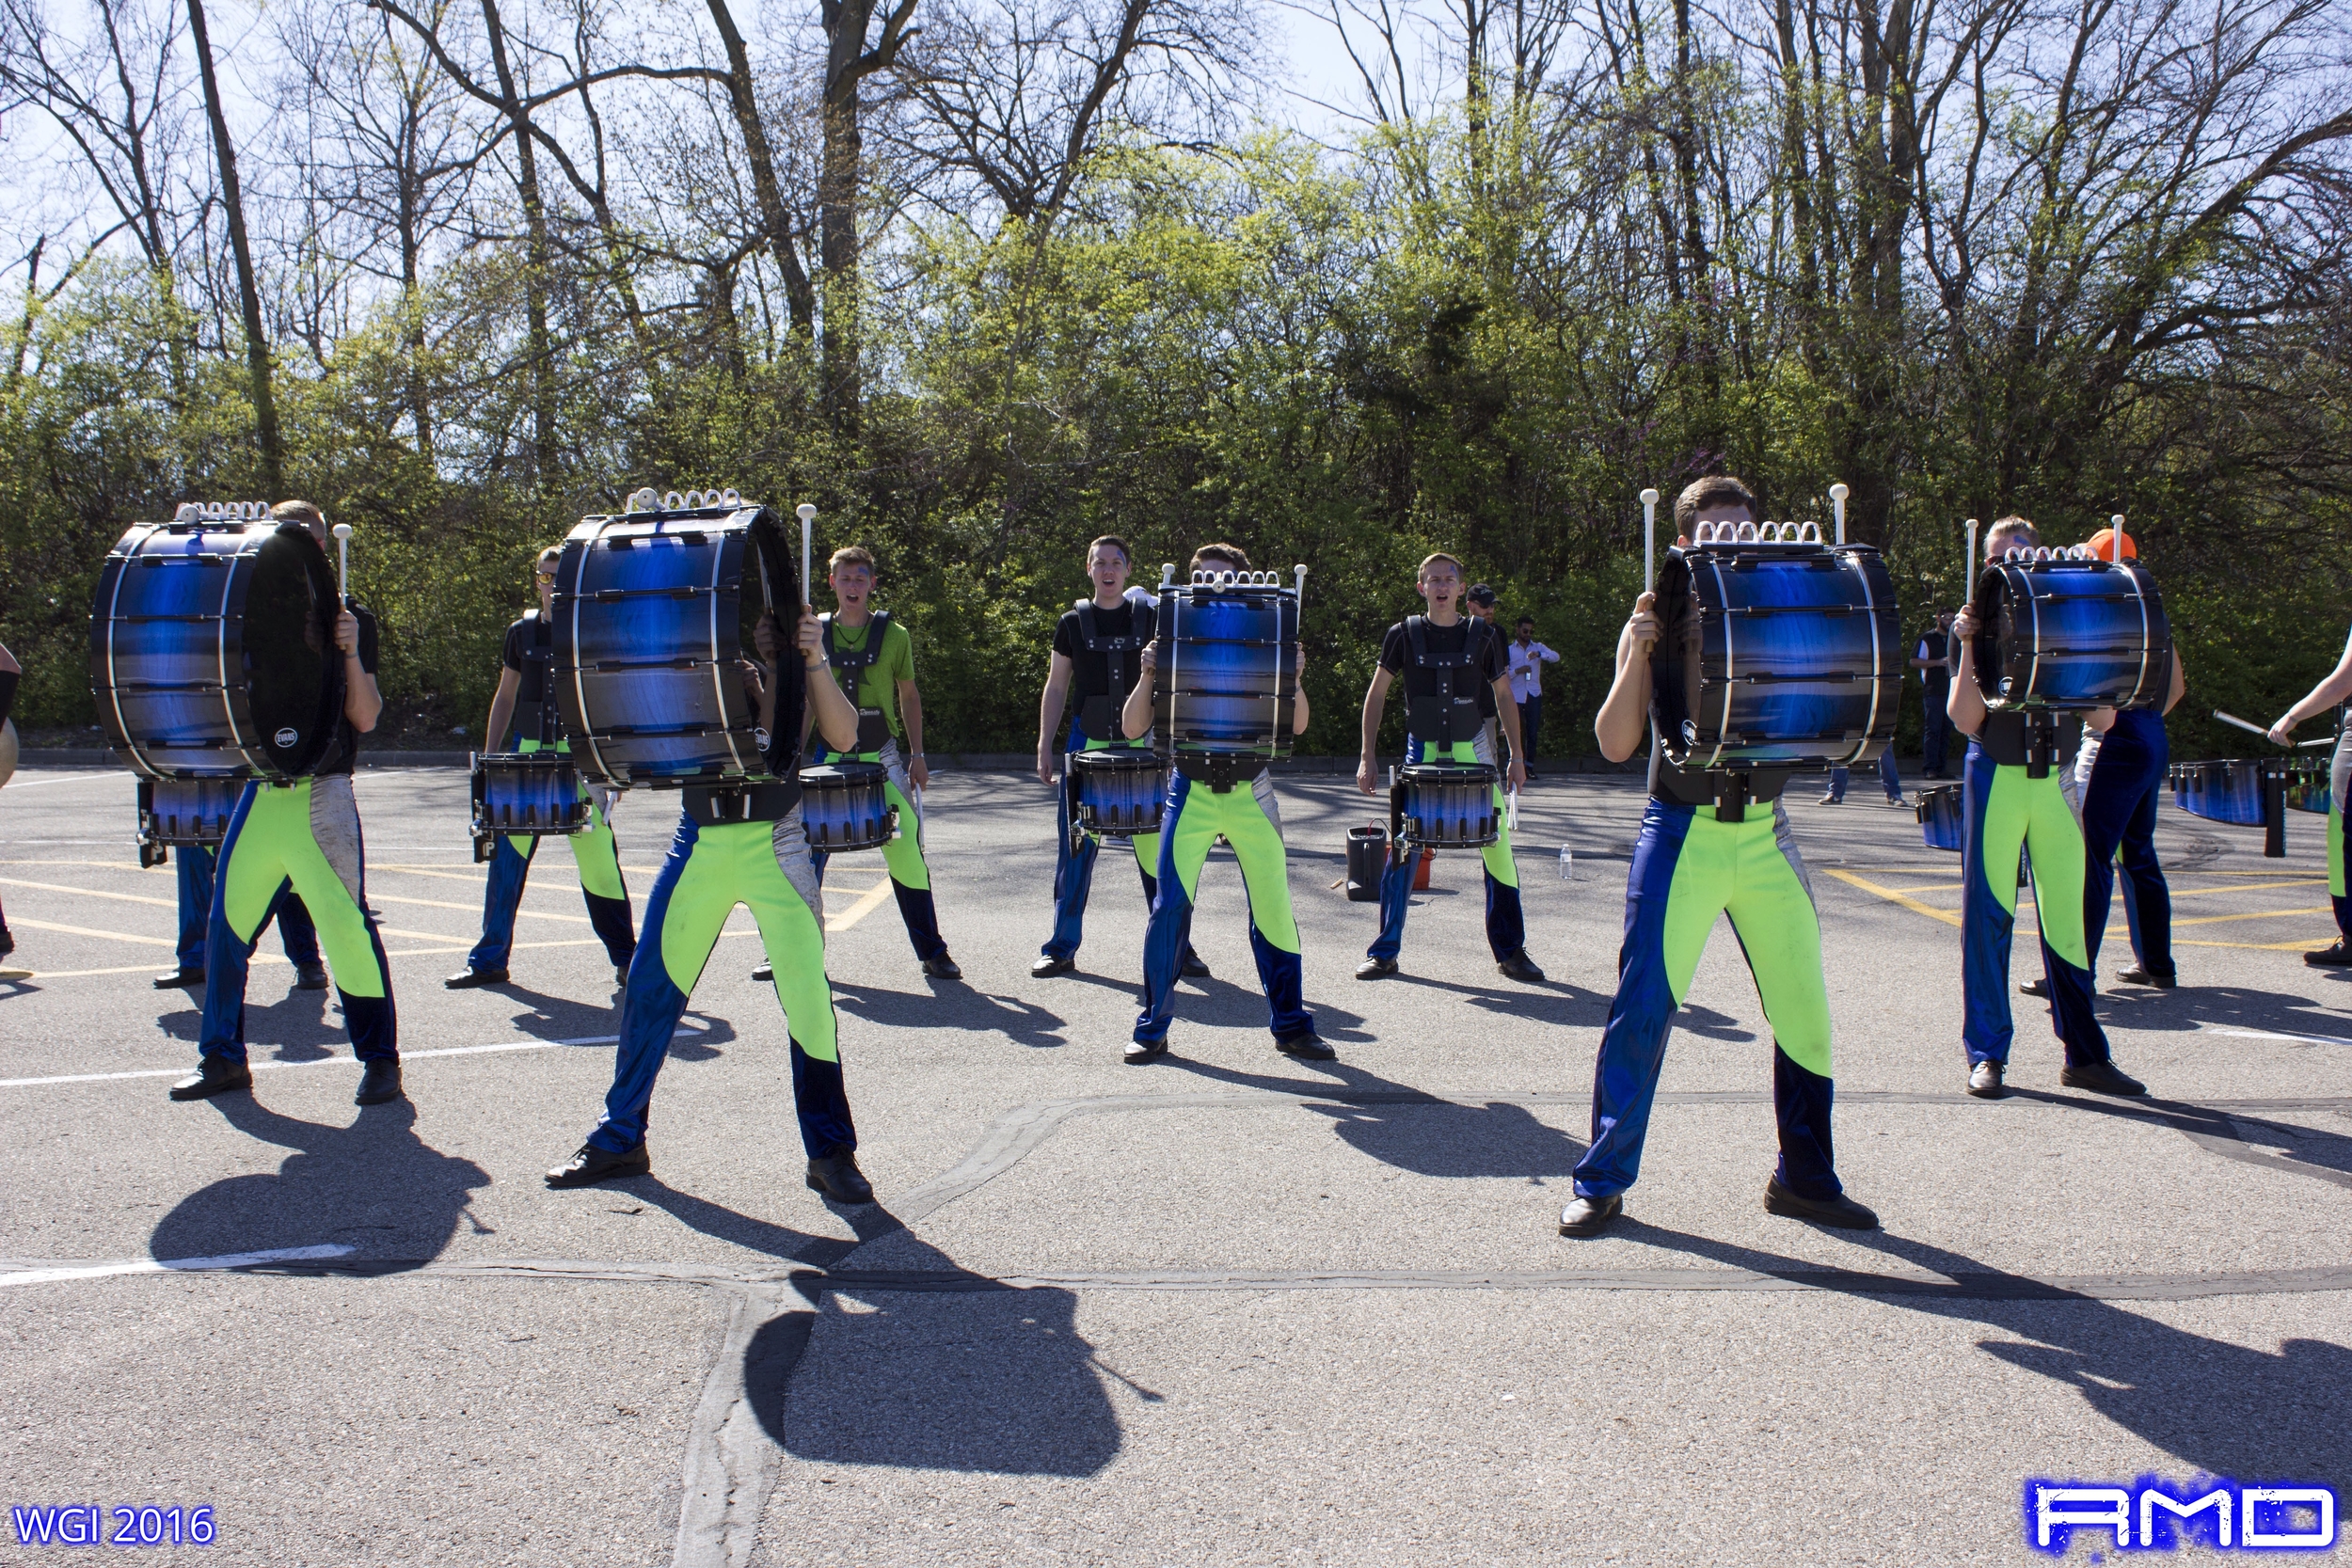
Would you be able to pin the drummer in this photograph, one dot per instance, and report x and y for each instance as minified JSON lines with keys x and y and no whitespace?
{"x":1246,"y":815}
{"x":2336,"y":693}
{"x":2006,"y":807}
{"x":306,"y":833}
{"x":296,"y":933}
{"x":873,"y":655}
{"x":1690,"y":864}
{"x":1094,"y":648}
{"x":527,"y":678}
{"x":1434,"y":653}
{"x":740,"y":844}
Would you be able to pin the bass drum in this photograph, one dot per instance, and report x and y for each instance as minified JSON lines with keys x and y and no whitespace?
{"x":1776,"y":653}
{"x":2071,"y":632}
{"x":654,"y":615}
{"x":211,"y":649}
{"x":1227,"y":676}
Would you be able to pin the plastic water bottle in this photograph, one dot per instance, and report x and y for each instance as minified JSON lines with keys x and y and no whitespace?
{"x":1567,"y":865}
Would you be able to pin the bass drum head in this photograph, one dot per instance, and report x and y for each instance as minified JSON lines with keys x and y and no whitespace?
{"x":8,"y":750}
{"x":772,"y":583}
{"x":1676,"y":659}
{"x":295,"y":675}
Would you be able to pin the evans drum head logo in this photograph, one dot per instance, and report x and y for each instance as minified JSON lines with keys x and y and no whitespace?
{"x":759,"y":738}
{"x":286,"y":738}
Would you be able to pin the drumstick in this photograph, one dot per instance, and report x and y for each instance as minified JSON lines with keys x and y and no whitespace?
{"x":1837,"y":493}
{"x":1649,"y":540}
{"x":2257,"y":729}
{"x":342,"y":549}
{"x":807,"y":514}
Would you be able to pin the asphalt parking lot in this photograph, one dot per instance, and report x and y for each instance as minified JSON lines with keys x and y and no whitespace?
{"x":1229,"y":1308}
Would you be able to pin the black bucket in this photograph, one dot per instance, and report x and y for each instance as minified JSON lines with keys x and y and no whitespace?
{"x":1367,"y":855}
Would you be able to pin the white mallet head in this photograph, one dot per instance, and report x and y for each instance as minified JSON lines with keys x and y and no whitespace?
{"x":804,"y":512}
{"x":342,"y":530}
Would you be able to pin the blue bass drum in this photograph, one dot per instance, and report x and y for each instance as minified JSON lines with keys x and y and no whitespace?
{"x":1444,"y":806}
{"x":1942,"y":817}
{"x":1776,"y":651}
{"x":654,"y":615}
{"x":845,"y":806}
{"x":1227,"y":673}
{"x":2071,"y":632}
{"x":1120,"y":791}
{"x":2230,"y":792}
{"x":212,"y":647}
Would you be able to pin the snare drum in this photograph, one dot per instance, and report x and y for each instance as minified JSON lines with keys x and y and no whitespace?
{"x":186,"y":811}
{"x":2071,"y":632}
{"x":654,"y":613}
{"x":1445,"y":806}
{"x":2228,"y":792}
{"x":526,"y":795}
{"x":1227,"y":674}
{"x":2307,"y":785}
{"x":212,"y":648}
{"x":1775,"y":652}
{"x":1942,"y":817}
{"x":1119,"y":792}
{"x":844,"y":806}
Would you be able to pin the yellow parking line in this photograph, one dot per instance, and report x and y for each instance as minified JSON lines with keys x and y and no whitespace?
{"x":376,"y":897}
{"x":90,"y":893}
{"x":1947,"y":916}
{"x":867,"y":902}
{"x":85,"y":931}
{"x":2258,"y":914}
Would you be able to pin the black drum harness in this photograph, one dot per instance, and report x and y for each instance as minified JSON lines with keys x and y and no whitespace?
{"x":1098,"y":710}
{"x":539,"y":666}
{"x":1430,"y":715}
{"x":873,"y":725}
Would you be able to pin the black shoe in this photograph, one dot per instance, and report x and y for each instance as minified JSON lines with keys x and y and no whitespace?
{"x":593,"y":1165}
{"x":941,"y":968}
{"x":2034,"y":987}
{"x":1307,"y":1047}
{"x":473,"y":977}
{"x":7,"y":942}
{"x":1192,"y":968}
{"x":764,"y":976}
{"x":2141,"y":977}
{"x":309,"y":977}
{"x":1588,"y":1216}
{"x":1140,"y":1052}
{"x":2101,"y":1077}
{"x":1841,"y":1211}
{"x":1047,"y":966}
{"x":2336,"y":957}
{"x":1984,"y":1080}
{"x":836,"y":1176}
{"x":380,"y":1083}
{"x":217,"y":1076}
{"x":1830,"y":800}
{"x":1374,"y":969}
{"x":620,"y":977}
{"x":1519,"y":967}
{"x":181,"y":979}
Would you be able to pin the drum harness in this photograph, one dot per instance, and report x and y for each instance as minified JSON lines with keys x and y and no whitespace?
{"x":1098,"y":711}
{"x":873,"y":727}
{"x":1430,"y":716}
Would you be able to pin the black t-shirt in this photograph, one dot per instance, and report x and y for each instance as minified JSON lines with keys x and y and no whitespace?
{"x":346,"y":752}
{"x":530,"y":652}
{"x":1935,"y":646}
{"x":1396,"y":657}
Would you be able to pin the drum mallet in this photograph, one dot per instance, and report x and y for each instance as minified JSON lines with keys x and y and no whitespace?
{"x":807,"y":514}
{"x":2115,"y":539}
{"x":342,"y":552}
{"x":1649,"y":540}
{"x":1968,"y":567}
{"x":1837,"y":493}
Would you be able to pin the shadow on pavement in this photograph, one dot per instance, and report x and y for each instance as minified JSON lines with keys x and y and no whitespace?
{"x":951,"y":1007}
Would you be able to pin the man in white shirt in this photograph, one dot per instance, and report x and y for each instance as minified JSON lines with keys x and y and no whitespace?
{"x":1527,"y":660}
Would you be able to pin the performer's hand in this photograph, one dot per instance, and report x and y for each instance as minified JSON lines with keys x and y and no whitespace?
{"x":1367,"y":776}
{"x":1644,"y":623}
{"x":812,"y":640}
{"x":1964,"y":624}
{"x":1150,"y":657}
{"x":2283,"y":729}
{"x":920,"y":772}
{"x":1517,"y":774}
{"x":755,"y":679}
{"x":1045,"y":774}
{"x":764,"y":637}
{"x":347,"y":631}
{"x":1302,"y":659}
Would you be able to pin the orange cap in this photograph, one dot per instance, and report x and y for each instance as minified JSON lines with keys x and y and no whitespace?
{"x":2103,"y":546}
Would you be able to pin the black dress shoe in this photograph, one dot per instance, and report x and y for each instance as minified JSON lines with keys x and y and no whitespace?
{"x":1587,"y":1217}
{"x":1308,"y":1048}
{"x":2101,"y":1078}
{"x":600,"y":1164}
{"x":620,"y":977}
{"x":311,"y":977}
{"x":473,"y":977}
{"x":1140,"y":1052}
{"x":217,"y":1075}
{"x":2039,"y":988}
{"x":379,"y":1085}
{"x":180,"y":979}
{"x":1984,"y":1080}
{"x":1519,"y":967}
{"x":765,"y":975}
{"x":941,"y":968}
{"x":1192,"y":968}
{"x":1047,"y":965}
{"x":1841,"y":1211}
{"x":1374,"y":969}
{"x":2337,"y":956}
{"x":836,"y":1176}
{"x":2141,"y":977}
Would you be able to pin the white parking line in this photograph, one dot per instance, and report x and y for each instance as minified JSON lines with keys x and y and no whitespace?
{"x":335,"y":1061}
{"x":173,"y":1265}
{"x":2274,"y":1035}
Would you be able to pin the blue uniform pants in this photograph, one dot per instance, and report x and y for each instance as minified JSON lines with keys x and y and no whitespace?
{"x":1507,"y":924}
{"x":295,"y":930}
{"x":2119,"y":814}
{"x":1073,"y":863}
{"x":1890,"y":777}
{"x":2004,"y":810}
{"x":1246,"y":817}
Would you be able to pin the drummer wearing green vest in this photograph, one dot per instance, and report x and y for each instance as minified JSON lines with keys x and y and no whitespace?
{"x":873,"y":658}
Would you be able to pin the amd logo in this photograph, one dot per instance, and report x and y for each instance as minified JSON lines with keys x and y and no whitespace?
{"x":2147,"y":1515}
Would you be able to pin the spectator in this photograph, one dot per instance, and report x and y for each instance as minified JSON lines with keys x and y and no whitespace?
{"x":1527,"y":659}
{"x":1933,"y":658}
